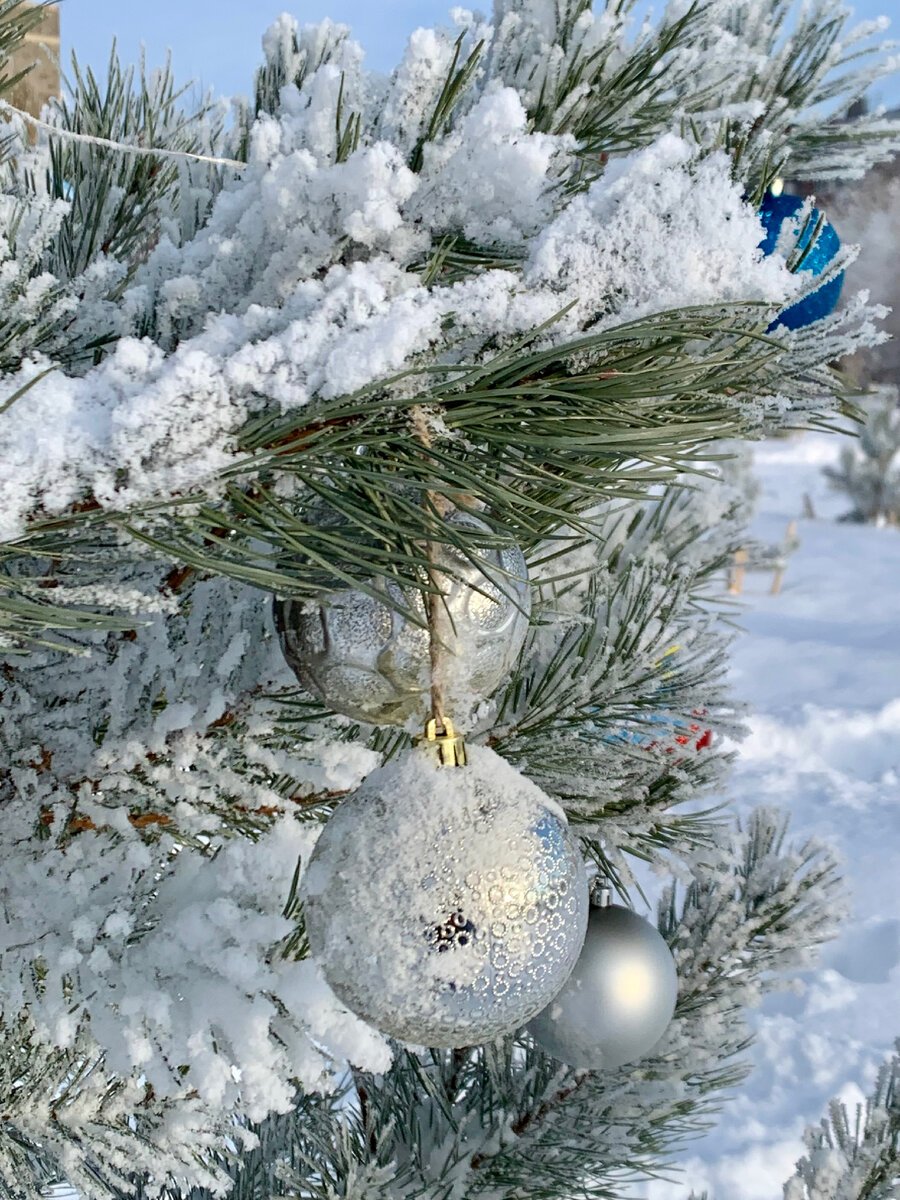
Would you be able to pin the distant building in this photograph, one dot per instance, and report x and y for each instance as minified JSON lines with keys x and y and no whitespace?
{"x":40,"y":49}
{"x":866,"y":213}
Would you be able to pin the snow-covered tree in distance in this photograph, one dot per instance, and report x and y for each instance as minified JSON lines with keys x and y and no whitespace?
{"x":854,"y":1157}
{"x":868,"y":471}
{"x":537,"y":240}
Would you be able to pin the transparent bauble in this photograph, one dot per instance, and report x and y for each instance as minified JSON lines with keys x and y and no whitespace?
{"x":446,"y":905}
{"x":363,"y":658}
{"x":619,"y":999}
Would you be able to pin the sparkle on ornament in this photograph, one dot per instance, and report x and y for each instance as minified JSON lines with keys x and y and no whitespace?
{"x":633,"y":983}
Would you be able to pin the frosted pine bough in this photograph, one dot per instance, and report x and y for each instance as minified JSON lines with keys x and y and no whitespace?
{"x":169,"y":422}
{"x":521,"y":233}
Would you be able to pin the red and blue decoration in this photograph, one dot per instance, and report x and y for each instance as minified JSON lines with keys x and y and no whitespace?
{"x":814,"y":257}
{"x":676,"y":736}
{"x":673,"y":735}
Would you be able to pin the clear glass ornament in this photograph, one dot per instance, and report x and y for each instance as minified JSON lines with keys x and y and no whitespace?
{"x":618,"y":1000}
{"x":364,"y":659}
{"x":446,"y":906}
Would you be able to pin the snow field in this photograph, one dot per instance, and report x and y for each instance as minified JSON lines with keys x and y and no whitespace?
{"x":820,"y":665}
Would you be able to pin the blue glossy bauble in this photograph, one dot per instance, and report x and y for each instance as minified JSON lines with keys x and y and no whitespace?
{"x":774,"y":212}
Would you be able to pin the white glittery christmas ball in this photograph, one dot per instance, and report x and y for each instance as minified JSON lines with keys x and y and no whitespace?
{"x":446,"y":905}
{"x":364,"y":659}
{"x":619,"y":999}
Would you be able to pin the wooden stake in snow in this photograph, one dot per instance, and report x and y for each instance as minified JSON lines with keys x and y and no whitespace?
{"x":737,"y":572}
{"x":757,"y":557}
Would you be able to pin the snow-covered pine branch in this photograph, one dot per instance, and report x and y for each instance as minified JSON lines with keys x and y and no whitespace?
{"x":486,"y":1122}
{"x":206,"y":395}
{"x":295,"y":300}
{"x":854,"y":1157}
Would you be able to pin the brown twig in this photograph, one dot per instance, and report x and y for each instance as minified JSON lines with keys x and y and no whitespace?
{"x":364,"y":1116}
{"x":78,"y":823}
{"x":176,"y":579}
{"x":436,"y":605}
{"x":534,"y":1117}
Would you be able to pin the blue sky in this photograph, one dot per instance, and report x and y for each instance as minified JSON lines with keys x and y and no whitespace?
{"x":217,"y":42}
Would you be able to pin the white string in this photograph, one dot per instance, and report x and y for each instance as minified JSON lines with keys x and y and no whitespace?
{"x":90,"y":140}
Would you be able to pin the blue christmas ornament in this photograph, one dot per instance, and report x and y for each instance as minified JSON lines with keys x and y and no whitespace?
{"x":781,"y":207}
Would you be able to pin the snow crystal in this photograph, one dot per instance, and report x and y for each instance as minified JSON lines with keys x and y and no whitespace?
{"x":490,"y":178}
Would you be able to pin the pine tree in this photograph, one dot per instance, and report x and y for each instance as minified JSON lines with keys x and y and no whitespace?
{"x":858,"y":1158}
{"x":868,"y":472}
{"x":519,"y":277}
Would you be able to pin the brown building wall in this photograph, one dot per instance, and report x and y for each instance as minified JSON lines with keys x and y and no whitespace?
{"x":40,"y":47}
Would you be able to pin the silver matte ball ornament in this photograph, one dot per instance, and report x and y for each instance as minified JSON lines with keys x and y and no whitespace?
{"x":446,"y":905}
{"x":364,"y":659}
{"x":619,"y":999}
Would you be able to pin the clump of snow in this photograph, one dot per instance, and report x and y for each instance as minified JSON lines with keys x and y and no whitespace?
{"x":668,"y":233}
{"x":194,"y":967}
{"x":489,"y":179}
{"x":662,"y":232}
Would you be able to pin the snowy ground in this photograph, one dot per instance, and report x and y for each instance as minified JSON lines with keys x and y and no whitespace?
{"x":820,"y":664}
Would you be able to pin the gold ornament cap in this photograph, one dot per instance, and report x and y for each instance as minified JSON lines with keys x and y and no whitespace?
{"x":448,"y":746}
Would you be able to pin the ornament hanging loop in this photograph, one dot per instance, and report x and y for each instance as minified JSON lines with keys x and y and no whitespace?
{"x":601,"y":892}
{"x":448,"y":746}
{"x":435,"y":602}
